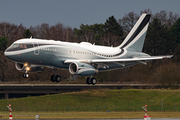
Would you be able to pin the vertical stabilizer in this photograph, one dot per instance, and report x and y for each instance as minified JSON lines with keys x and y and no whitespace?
{"x":135,"y":39}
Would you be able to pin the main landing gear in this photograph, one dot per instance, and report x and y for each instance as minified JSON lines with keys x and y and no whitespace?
{"x":55,"y":77}
{"x":91,"y":80}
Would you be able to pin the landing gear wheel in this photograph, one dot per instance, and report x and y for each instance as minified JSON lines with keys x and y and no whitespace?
{"x":58,"y":78}
{"x":25,"y":75}
{"x":52,"y":78}
{"x":93,"y":81}
{"x":88,"y":80}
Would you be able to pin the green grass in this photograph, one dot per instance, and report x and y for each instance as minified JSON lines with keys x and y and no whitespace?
{"x":100,"y":100}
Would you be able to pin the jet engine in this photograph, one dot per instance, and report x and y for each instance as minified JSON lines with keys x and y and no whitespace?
{"x":30,"y":68}
{"x":82,"y":69}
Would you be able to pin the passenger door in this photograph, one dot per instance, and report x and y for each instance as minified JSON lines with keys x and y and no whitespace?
{"x":36,"y":48}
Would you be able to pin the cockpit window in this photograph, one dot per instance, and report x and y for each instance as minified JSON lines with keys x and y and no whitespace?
{"x":15,"y":45}
{"x":20,"y":47}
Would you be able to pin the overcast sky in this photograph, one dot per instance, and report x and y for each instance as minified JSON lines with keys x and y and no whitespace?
{"x":73,"y":13}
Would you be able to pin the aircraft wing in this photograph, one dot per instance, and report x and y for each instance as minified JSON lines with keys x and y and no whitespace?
{"x":135,"y":59}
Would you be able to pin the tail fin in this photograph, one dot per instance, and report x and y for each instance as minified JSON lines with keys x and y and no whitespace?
{"x":136,"y":37}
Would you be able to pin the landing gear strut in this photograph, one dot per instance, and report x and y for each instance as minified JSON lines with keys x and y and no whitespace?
{"x":91,"y":80}
{"x":25,"y":75}
{"x":55,"y":78}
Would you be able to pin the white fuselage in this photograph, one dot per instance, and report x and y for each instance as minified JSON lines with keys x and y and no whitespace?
{"x":52,"y":53}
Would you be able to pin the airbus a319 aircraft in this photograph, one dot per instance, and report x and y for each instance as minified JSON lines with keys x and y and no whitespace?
{"x":84,"y":59}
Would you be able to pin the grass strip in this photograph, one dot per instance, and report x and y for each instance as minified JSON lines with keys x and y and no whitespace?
{"x":100,"y":100}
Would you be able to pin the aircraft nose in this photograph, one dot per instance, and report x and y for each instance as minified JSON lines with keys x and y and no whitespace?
{"x":12,"y":56}
{"x":5,"y":53}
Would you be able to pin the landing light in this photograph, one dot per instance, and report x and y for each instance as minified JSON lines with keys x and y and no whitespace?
{"x":27,"y":68}
{"x":25,"y":64}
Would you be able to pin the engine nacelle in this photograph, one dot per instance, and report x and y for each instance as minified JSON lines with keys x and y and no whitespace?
{"x":82,"y":69}
{"x":31,"y":68}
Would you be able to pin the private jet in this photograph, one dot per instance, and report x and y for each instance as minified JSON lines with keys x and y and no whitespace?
{"x":84,"y":59}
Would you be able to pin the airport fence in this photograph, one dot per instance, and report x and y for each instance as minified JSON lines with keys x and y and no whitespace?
{"x":94,"y":108}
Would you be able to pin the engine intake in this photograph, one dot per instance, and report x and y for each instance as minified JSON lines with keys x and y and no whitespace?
{"x":82,"y":69}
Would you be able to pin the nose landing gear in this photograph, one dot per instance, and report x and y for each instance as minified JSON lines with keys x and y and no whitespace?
{"x":25,"y":75}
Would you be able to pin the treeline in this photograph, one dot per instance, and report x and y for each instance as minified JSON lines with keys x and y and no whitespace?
{"x":163,"y":37}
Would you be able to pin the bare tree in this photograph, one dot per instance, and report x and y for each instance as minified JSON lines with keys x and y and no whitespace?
{"x":167,"y":18}
{"x":11,"y":31}
{"x":55,"y":32}
{"x":148,"y":11}
{"x":110,"y":39}
{"x":128,"y":21}
{"x":68,"y":33}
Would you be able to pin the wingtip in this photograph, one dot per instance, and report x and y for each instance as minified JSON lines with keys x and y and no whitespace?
{"x":170,"y":56}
